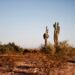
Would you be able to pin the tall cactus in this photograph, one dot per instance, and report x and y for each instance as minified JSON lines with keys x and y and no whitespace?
{"x":56,"y":33}
{"x":46,"y":36}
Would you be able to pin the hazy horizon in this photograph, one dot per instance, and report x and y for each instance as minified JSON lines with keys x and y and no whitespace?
{"x":24,"y":21}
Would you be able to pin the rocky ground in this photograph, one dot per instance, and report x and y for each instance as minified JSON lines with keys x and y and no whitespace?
{"x":34,"y":63}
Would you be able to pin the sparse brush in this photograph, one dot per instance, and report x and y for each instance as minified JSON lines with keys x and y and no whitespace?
{"x":63,"y":48}
{"x":49,"y":50}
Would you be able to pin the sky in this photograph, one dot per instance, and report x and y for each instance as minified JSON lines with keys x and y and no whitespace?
{"x":23,"y":21}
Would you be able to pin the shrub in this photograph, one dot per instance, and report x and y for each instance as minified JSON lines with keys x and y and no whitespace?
{"x":63,"y":49}
{"x":49,"y":50}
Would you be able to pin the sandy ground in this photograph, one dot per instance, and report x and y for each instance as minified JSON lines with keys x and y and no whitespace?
{"x":35,"y":64}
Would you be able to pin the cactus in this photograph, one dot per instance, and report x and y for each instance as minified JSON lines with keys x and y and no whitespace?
{"x":46,"y":36}
{"x":56,"y":33}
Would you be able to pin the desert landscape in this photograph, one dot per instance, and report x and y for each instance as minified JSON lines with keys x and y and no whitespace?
{"x":18,"y":61}
{"x":37,"y":37}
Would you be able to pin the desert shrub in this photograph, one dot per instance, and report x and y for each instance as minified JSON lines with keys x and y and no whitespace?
{"x":10,"y":47}
{"x":15,"y":47}
{"x":63,"y":49}
{"x":72,"y":52}
{"x":34,"y":51}
{"x":25,"y":51}
{"x":49,"y":50}
{"x":2,"y":49}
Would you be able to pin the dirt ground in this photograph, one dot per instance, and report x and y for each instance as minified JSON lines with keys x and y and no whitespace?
{"x":34,"y":63}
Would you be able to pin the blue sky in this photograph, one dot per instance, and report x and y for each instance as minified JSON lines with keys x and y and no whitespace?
{"x":24,"y":21}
